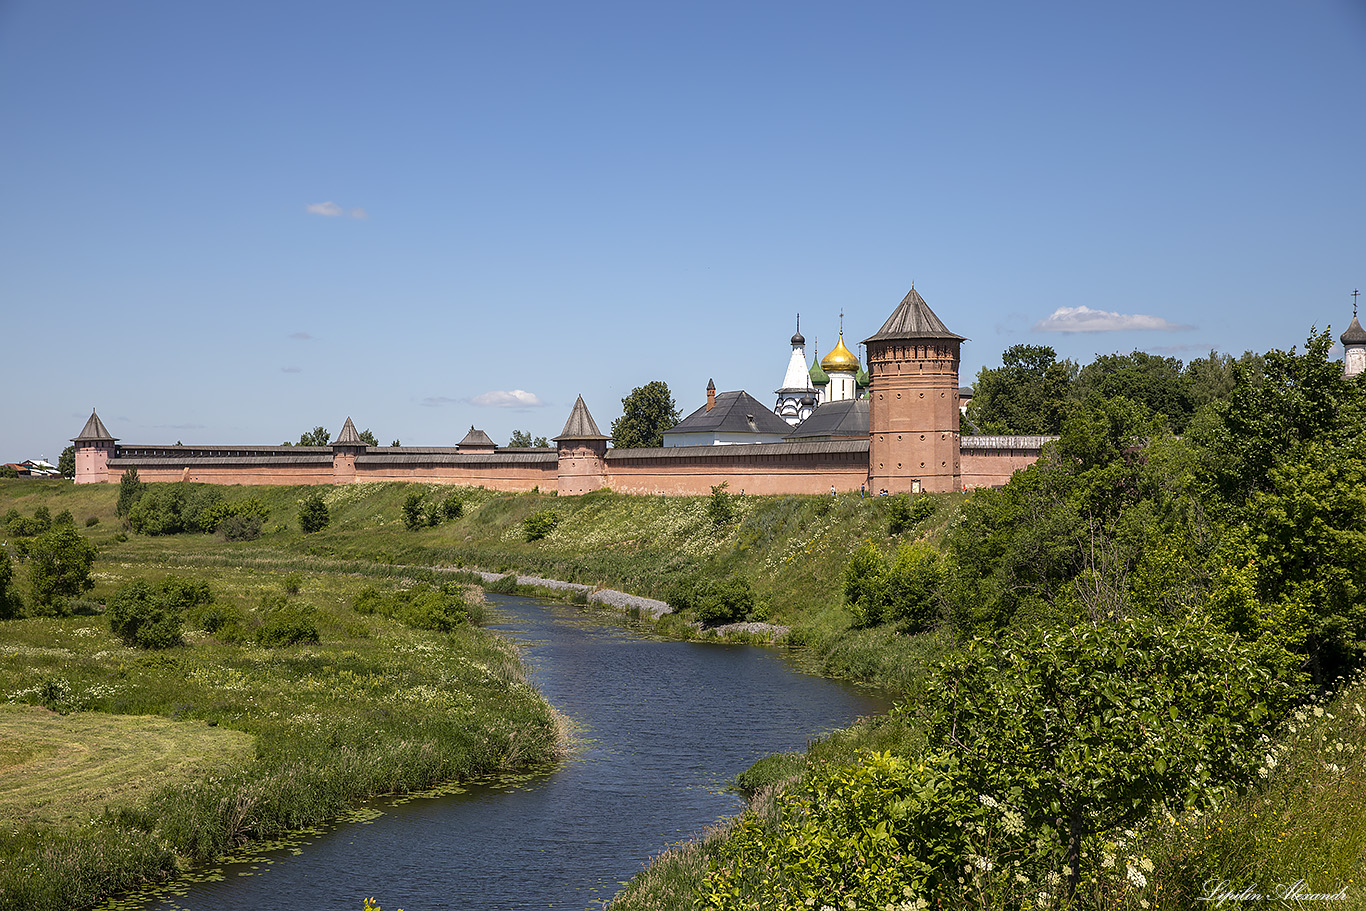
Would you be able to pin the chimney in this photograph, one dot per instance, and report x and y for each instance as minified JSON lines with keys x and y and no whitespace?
{"x":711,"y":394}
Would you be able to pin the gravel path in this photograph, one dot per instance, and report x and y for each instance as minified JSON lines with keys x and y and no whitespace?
{"x":622,"y":601}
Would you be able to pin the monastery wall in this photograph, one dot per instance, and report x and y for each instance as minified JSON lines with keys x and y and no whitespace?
{"x":755,"y":468}
{"x":989,"y":461}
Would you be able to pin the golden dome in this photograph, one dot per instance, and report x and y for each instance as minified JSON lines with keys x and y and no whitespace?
{"x":840,"y":359}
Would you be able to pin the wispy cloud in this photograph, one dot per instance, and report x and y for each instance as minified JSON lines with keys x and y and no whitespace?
{"x":437,"y":401}
{"x":330,"y":209}
{"x":1084,"y":319}
{"x":302,"y":336}
{"x":291,"y":370}
{"x":517,"y":398}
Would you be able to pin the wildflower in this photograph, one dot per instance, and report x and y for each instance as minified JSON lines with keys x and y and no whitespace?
{"x":1147,"y":865}
{"x":1318,"y":711}
{"x":1012,"y":823}
{"x":988,"y":801}
{"x":1135,"y":877}
{"x":1108,"y":862}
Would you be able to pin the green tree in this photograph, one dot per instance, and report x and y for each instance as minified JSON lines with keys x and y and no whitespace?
{"x":130,"y":491}
{"x":646,"y":413}
{"x":1027,"y":394}
{"x":1086,"y":729}
{"x":313,"y":515}
{"x":368,"y":438}
{"x":66,"y":463}
{"x":60,"y":562}
{"x":413,"y":515}
{"x":318,"y":436}
{"x":1154,"y":382}
{"x":10,"y":605}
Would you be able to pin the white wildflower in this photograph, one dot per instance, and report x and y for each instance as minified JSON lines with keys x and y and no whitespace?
{"x":1137,"y":878}
{"x":1108,"y":862}
{"x":1146,"y":864}
{"x":988,"y":801}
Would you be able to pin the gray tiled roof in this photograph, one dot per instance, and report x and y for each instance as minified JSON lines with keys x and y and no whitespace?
{"x":912,"y":318}
{"x":581,"y":425}
{"x":94,"y":431}
{"x":734,"y":412}
{"x":835,"y":419}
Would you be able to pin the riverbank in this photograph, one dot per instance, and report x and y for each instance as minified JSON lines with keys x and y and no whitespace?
{"x":373,"y":707}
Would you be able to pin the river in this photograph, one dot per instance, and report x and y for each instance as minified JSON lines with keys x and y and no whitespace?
{"x":660,"y":728}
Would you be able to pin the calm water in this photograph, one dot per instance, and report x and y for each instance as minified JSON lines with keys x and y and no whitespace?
{"x":662,"y":728}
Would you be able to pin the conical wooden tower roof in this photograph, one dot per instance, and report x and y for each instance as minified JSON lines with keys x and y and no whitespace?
{"x":913,"y":318}
{"x":94,"y":431}
{"x":581,"y":425}
{"x":348,"y":435}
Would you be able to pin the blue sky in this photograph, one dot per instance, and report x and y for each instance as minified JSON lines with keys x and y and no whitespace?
{"x":231,"y":222}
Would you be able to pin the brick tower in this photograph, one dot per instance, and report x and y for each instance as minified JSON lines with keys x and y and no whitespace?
{"x":345,"y":449}
{"x":583,"y":453}
{"x":913,"y":412}
{"x":95,"y":446}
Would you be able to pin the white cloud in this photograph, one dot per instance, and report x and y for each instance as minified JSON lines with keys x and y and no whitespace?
{"x":330,"y":209}
{"x":517,"y":398}
{"x":436,"y":401}
{"x":1084,"y":319}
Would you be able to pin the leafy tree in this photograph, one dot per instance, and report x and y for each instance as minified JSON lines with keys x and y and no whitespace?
{"x":8,"y":471}
{"x":1027,"y":394}
{"x":66,"y":463}
{"x":521,"y":439}
{"x":313,"y":515}
{"x":1086,"y":729}
{"x":318,"y":436}
{"x":646,"y":413}
{"x":453,"y":507}
{"x":130,"y":491}
{"x":10,"y":604}
{"x":413,"y":515}
{"x":395,"y":444}
{"x":368,"y":438}
{"x":1152,"y":381}
{"x":60,"y":568}
{"x":1212,"y":379}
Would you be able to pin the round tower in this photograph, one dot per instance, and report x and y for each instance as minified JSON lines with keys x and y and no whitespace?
{"x":913,"y":411}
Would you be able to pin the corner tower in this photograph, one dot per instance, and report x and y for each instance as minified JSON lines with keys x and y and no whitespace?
{"x":95,"y":446}
{"x":913,"y":412}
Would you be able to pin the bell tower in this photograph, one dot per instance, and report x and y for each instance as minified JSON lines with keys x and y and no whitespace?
{"x":913,"y":411}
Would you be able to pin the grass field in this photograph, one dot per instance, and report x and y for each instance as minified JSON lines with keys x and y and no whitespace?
{"x":64,"y":769}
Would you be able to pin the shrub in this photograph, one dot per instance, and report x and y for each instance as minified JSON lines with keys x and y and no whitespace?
{"x":60,"y":568}
{"x":292,"y":583}
{"x":286,"y":624}
{"x":159,"y":511}
{"x":907,"y":513}
{"x":440,"y":609}
{"x":313,"y":515}
{"x":912,"y":586}
{"x":865,"y":585}
{"x":65,"y":518}
{"x":413,"y":519}
{"x":539,"y":524}
{"x":721,"y":505}
{"x":453,"y":507}
{"x":728,"y":601}
{"x":92,"y":521}
{"x":143,"y":617}
{"x":368,"y":601}
{"x":241,"y":528}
